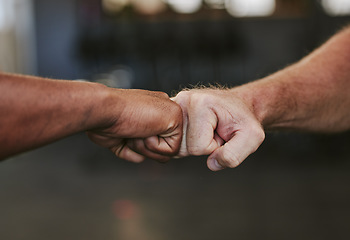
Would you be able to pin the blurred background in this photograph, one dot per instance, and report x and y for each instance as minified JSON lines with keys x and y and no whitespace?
{"x":296,"y":186}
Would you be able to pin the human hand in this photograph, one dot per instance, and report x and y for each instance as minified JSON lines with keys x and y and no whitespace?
{"x":140,"y":124}
{"x":220,"y":124}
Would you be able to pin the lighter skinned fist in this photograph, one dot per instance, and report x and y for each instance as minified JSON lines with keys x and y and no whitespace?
{"x":219,"y":124}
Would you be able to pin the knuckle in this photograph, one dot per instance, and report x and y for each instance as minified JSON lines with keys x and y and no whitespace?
{"x":177,"y":110}
{"x":200,"y":99}
{"x":164,"y":95}
{"x":160,"y":94}
{"x":169,"y":151}
{"x":254,"y":129}
{"x":193,"y":97}
{"x":261,"y":136}
{"x":258,"y":134}
{"x":230,"y":159}
{"x":182,"y":96}
{"x":150,"y":146}
{"x":196,"y":151}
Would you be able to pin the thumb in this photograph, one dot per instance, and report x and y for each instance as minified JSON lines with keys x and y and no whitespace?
{"x":238,"y":148}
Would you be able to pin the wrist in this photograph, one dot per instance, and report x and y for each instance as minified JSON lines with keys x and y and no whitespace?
{"x":255,"y":99}
{"x":273,"y":99}
{"x":104,"y":106}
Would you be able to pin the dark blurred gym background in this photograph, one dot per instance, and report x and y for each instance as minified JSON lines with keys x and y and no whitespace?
{"x":296,"y":186}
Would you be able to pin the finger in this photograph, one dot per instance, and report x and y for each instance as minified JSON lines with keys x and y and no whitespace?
{"x":158,"y":94}
{"x":164,"y":145}
{"x":183,"y":146}
{"x":101,"y":140}
{"x":138,"y":146}
{"x":199,"y":124}
{"x":218,"y":139}
{"x":200,"y":131}
{"x":233,"y":152}
{"x":124,"y":152}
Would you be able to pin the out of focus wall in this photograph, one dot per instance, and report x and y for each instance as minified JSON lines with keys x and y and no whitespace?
{"x":77,"y":39}
{"x":56,"y":30}
{"x":17,"y":37}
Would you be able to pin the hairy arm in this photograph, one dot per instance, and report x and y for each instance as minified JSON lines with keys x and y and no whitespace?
{"x":36,"y":111}
{"x":311,"y":95}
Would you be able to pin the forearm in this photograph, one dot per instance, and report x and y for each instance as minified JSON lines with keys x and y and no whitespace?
{"x":36,"y":111}
{"x":311,"y":95}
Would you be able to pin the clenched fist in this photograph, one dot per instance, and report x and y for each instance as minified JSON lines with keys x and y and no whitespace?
{"x":140,"y":124}
{"x":219,"y":124}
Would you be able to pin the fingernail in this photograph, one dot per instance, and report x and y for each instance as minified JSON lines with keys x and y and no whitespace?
{"x":215,"y":166}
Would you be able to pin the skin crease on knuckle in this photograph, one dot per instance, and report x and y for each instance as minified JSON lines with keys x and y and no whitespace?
{"x":198,"y":150}
{"x":256,"y":138}
{"x":162,"y":147}
{"x":230,"y":159}
{"x":200,"y":142}
{"x":138,"y":146}
{"x":203,"y":101}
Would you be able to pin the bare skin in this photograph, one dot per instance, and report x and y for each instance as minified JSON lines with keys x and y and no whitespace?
{"x":36,"y":111}
{"x":228,"y":125}
{"x":311,"y":95}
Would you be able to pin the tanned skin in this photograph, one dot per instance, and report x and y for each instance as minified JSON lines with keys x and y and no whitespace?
{"x":36,"y":111}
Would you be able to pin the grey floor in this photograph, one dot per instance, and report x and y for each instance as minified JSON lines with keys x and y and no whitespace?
{"x":294,"y":187}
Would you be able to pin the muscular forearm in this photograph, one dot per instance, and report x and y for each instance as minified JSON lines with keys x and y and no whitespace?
{"x":35,"y":111}
{"x":311,"y":95}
